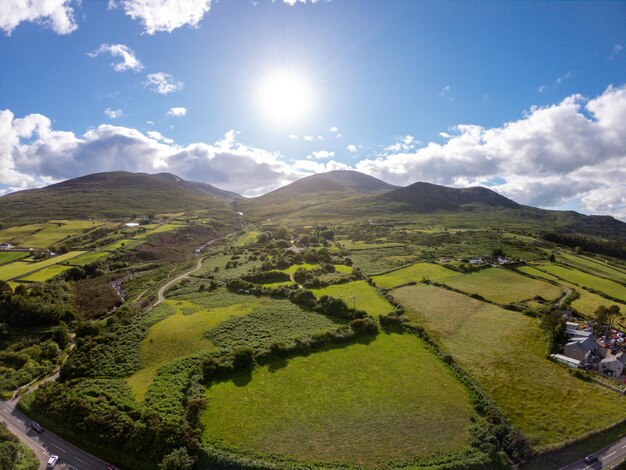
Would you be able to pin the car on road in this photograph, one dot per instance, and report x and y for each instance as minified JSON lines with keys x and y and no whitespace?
{"x":591,"y":459}
{"x":38,"y":428}
{"x":52,"y":461}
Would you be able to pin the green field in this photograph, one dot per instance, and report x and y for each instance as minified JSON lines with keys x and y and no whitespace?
{"x":502,"y":286}
{"x":8,"y":256}
{"x":363,"y":404}
{"x":340,"y":268}
{"x":588,"y":303}
{"x":248,"y":238}
{"x":414,"y":273}
{"x":46,"y":273}
{"x":159,"y":229}
{"x":534,"y":271}
{"x":21,"y":268}
{"x":46,"y":235}
{"x":587,"y":280}
{"x":358,"y":294}
{"x":594,"y":266}
{"x":88,"y":258}
{"x":359,"y":245}
{"x":506,"y":352}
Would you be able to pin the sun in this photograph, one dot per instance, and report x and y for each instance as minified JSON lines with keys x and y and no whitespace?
{"x":284,"y":97}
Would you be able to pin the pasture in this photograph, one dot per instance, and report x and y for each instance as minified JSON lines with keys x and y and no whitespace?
{"x":88,"y":258}
{"x":506,"y":352}
{"x":46,"y":273}
{"x":47,"y":234}
{"x":363,"y":403}
{"x":358,"y":294}
{"x":589,"y":281}
{"x":414,"y":273}
{"x":360,"y":245}
{"x":8,"y":256}
{"x":21,"y":268}
{"x":502,"y":286}
{"x":594,"y":266}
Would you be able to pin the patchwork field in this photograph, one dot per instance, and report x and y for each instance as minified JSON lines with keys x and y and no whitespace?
{"x":21,"y":268}
{"x":587,"y":280}
{"x":46,"y":273}
{"x":8,"y":256}
{"x":594,"y":266}
{"x":389,"y":399}
{"x":88,"y":258}
{"x":506,"y":352}
{"x":358,"y":294}
{"x":502,"y":286}
{"x":47,"y":234}
{"x":359,"y":245}
{"x":340,"y":268}
{"x":414,"y":273}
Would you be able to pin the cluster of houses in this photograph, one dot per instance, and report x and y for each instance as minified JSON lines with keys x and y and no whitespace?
{"x":584,"y":350}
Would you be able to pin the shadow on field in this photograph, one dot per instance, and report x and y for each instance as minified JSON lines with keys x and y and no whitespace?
{"x":243,"y":378}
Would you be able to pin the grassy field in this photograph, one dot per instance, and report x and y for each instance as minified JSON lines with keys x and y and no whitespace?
{"x":363,"y":404}
{"x":158,"y":229}
{"x":588,"y":303}
{"x":21,"y":268}
{"x":248,"y":238}
{"x":88,"y":258}
{"x":414,"y":273}
{"x":505,"y":351}
{"x":178,"y":335}
{"x":8,"y":256}
{"x":46,"y":235}
{"x":587,"y":280}
{"x":538,"y":273}
{"x":46,"y":273}
{"x":340,"y":268}
{"x":594,"y":266}
{"x":359,"y":245}
{"x":360,"y":294}
{"x":502,"y":286}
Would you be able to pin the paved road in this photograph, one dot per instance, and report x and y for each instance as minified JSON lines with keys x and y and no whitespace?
{"x":609,"y":457}
{"x":47,"y":443}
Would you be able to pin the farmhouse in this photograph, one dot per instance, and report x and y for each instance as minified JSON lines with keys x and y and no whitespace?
{"x":5,"y":246}
{"x":581,"y":344}
{"x":613,"y":365}
{"x":568,"y":361}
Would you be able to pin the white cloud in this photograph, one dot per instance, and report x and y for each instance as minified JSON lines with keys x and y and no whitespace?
{"x":128,"y":59}
{"x":113,"y":113}
{"x":573,"y":150}
{"x":163,"y":83}
{"x":334,"y":130}
{"x":567,"y":76}
{"x":294,"y":2}
{"x":159,"y":137}
{"x":405,"y":144}
{"x":617,"y":48}
{"x":321,"y":155}
{"x":177,"y":112}
{"x":308,"y":138}
{"x":352,"y":148}
{"x":542,"y":88}
{"x":293,"y":137}
{"x":55,"y":14}
{"x":164,"y":15}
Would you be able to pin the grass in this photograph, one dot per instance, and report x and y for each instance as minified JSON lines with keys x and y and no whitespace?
{"x":116,"y":245}
{"x":502,"y":286}
{"x":506,"y":352}
{"x":359,"y":245}
{"x":248,"y":238}
{"x":359,"y":294}
{"x":340,"y":268}
{"x":21,"y":268}
{"x":8,"y":256}
{"x":47,"y":234}
{"x":179,"y":335}
{"x":46,"y":273}
{"x":159,"y":229}
{"x":587,"y":280}
{"x":594,"y":266}
{"x":365,"y":403}
{"x":414,"y":273}
{"x":88,"y":258}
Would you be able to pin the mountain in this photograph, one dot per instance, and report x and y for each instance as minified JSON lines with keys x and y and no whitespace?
{"x":112,"y":194}
{"x":313,"y":191}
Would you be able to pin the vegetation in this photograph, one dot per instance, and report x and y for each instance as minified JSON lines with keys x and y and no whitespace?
{"x":8,"y":256}
{"x":589,"y":281}
{"x":15,"y":455}
{"x":358,"y":294}
{"x":414,"y":273}
{"x":20,"y":268}
{"x":506,"y":352}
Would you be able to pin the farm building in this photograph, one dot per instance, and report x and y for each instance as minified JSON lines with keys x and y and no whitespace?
{"x":613,"y":365}
{"x":581,"y":345}
{"x":568,"y":361}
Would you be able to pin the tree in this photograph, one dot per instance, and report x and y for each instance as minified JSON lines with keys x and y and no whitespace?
{"x":497,"y":253}
{"x":61,"y":335}
{"x":606,"y":317}
{"x":178,"y":459}
{"x":282,"y":234}
{"x":300,"y":275}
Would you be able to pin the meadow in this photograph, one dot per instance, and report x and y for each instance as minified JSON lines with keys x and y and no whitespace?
{"x":47,"y":234}
{"x":88,"y":258}
{"x":360,"y":245}
{"x":8,"y":256}
{"x":414,"y":273}
{"x":358,"y":294}
{"x":589,"y":281}
{"x":21,"y":268}
{"x":502,"y":286}
{"x":594,"y":266}
{"x":506,"y":352}
{"x":364,"y":403}
{"x":46,"y":273}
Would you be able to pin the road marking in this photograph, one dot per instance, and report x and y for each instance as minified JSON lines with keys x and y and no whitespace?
{"x":82,"y":461}
{"x":612,"y":453}
{"x":623,"y":447}
{"x":61,"y":448}
{"x":71,"y":466}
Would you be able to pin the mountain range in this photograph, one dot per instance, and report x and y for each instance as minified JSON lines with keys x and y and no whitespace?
{"x":347,"y":195}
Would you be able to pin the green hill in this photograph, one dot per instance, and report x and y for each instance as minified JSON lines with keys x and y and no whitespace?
{"x":112,"y":194}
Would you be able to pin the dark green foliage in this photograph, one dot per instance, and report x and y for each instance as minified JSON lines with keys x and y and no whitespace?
{"x":615,"y":247}
{"x":21,"y":311}
{"x":337,"y":308}
{"x":554,"y":324}
{"x":61,"y":335}
{"x":178,"y":459}
{"x":303,"y":297}
{"x":14,"y":455}
{"x":267,"y":277}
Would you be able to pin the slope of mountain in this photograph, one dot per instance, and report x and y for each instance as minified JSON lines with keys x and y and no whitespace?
{"x":112,"y":194}
{"x":313,"y":191}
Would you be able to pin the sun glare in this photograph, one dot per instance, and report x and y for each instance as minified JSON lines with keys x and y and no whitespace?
{"x":284,"y":97}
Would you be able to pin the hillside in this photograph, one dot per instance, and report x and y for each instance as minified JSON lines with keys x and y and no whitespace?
{"x":112,"y":194}
{"x":313,"y":191}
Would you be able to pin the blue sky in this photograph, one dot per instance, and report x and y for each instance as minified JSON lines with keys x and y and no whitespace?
{"x":525,"y":97}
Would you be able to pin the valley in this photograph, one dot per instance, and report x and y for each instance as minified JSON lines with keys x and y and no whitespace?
{"x":337,"y":322}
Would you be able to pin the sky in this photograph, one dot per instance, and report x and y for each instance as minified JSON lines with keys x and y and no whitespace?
{"x":527,"y":98}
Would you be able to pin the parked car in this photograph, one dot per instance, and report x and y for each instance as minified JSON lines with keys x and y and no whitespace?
{"x":591,"y":459}
{"x":38,"y":428}
{"x":52,"y":461}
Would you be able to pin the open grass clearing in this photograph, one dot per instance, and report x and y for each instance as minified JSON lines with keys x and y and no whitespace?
{"x":340,"y":268}
{"x":8,"y":256}
{"x":594,"y":266}
{"x":364,"y":403}
{"x":589,"y":281}
{"x":502,"y":286}
{"x":46,"y":234}
{"x":46,"y":273}
{"x":248,"y":238}
{"x":21,"y":268}
{"x":358,"y":294}
{"x":588,"y":303}
{"x":360,"y":245}
{"x":158,"y":229}
{"x":413,"y":273}
{"x":506,"y":352}
{"x":88,"y":258}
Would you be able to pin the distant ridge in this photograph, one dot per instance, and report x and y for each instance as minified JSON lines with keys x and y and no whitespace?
{"x":112,"y":194}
